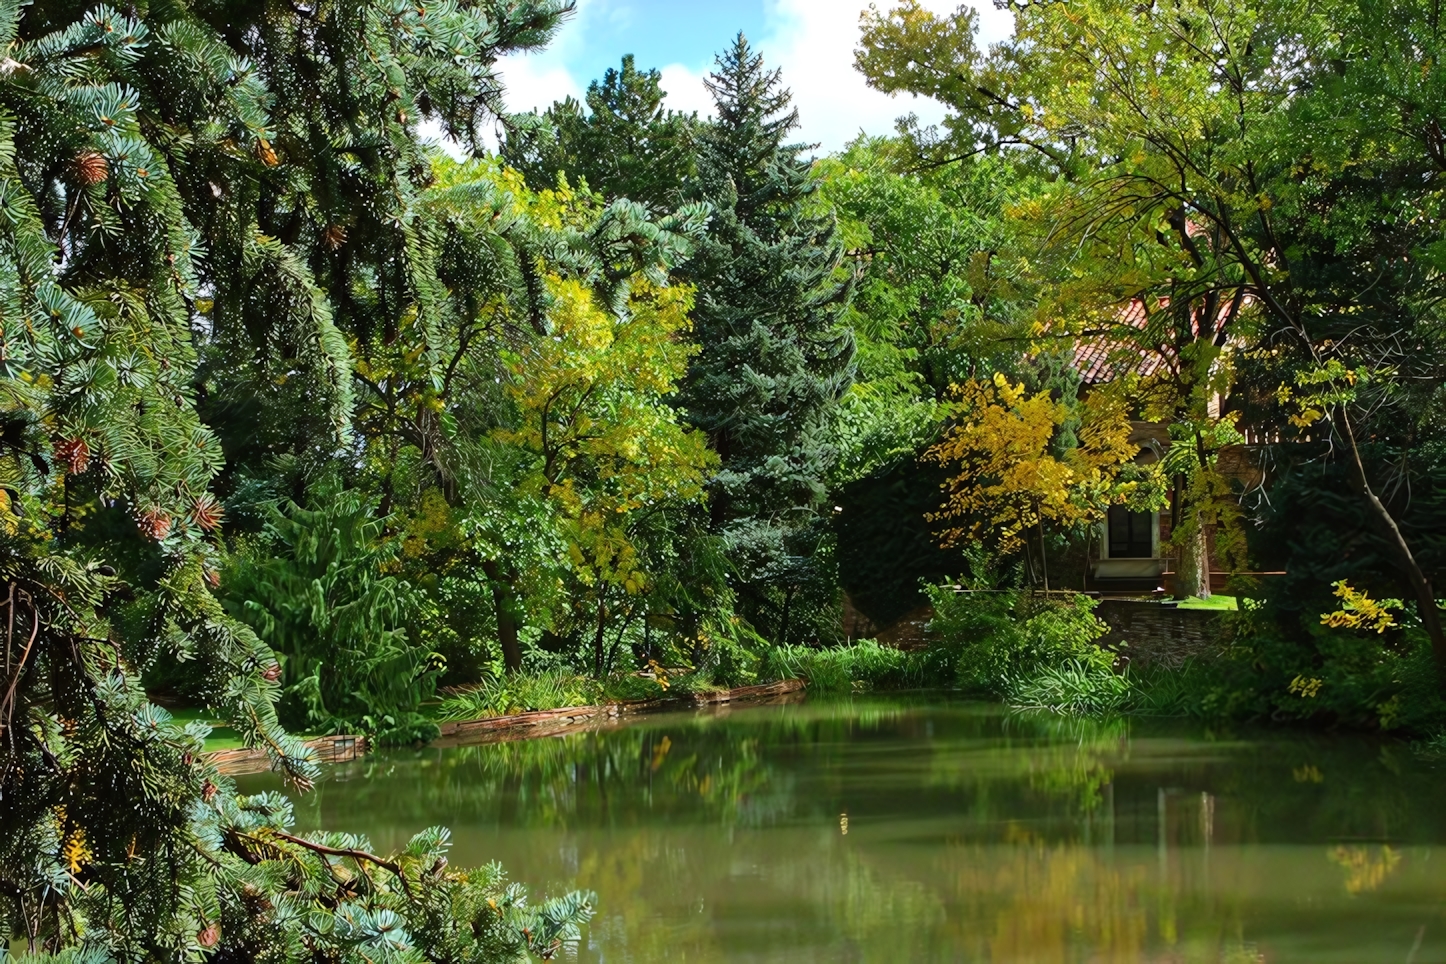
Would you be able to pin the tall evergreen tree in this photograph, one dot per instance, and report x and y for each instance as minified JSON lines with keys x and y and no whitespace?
{"x":775,"y":356}
{"x":623,"y":142}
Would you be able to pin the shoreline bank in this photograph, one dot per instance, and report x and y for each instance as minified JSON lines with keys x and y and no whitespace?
{"x":532,"y":725}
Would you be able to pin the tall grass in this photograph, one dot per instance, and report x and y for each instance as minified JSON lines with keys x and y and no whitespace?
{"x":505,"y":695}
{"x":1433,"y":748}
{"x":1085,"y":688}
{"x":1159,"y":691}
{"x":863,"y":665}
{"x":1077,"y":686}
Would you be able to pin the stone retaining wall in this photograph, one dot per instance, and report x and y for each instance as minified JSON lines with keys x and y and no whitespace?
{"x":1146,"y":632}
{"x":1149,"y":633}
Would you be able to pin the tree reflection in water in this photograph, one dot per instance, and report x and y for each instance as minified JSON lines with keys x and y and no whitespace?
{"x":971,"y":834}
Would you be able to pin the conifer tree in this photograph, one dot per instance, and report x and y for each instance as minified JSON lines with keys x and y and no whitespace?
{"x":179,"y":181}
{"x":774,"y":356}
{"x":622,"y":142}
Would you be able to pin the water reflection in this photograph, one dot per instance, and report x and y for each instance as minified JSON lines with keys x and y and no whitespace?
{"x":920,"y":830}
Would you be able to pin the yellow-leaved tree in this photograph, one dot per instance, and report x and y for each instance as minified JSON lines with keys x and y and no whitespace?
{"x":1015,"y":473}
{"x":608,"y":450}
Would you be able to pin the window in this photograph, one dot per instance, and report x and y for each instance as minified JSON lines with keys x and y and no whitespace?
{"x":1131,"y":534}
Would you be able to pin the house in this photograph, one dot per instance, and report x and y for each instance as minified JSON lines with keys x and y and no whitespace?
{"x":1131,"y":554}
{"x":887,"y":546}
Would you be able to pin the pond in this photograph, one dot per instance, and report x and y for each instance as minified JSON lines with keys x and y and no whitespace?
{"x":923,"y":829}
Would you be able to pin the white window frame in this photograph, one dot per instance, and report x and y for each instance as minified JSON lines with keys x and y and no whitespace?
{"x":1154,"y":539}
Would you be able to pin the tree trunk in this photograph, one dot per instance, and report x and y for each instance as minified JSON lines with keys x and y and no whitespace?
{"x":504,"y":600}
{"x":783,"y":620}
{"x":600,"y":639}
{"x":647,"y":652}
{"x":1192,"y":575}
{"x":1405,"y":558}
{"x":1043,"y":556}
{"x":617,"y":645}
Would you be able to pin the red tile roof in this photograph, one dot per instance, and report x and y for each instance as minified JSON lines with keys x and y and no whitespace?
{"x":1104,"y":356}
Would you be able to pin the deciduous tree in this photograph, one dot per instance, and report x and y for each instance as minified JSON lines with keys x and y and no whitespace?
{"x":1011,"y":482}
{"x":607,"y":449}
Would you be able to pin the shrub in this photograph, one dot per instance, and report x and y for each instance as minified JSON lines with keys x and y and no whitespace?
{"x":316,"y":588}
{"x":989,"y":640}
{"x":632,"y":688}
{"x":1309,"y":672}
{"x":730,"y":657}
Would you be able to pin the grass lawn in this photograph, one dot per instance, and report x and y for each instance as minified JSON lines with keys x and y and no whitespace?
{"x":1217,"y":603}
{"x":221,"y":738}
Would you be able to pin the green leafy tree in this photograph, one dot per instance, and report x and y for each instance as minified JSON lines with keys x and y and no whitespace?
{"x":775,"y":356}
{"x":1231,"y":172}
{"x":607,"y":450}
{"x":1151,"y":122}
{"x":461,"y":427}
{"x":622,"y":142}
{"x":941,"y":292}
{"x":940,"y":298}
{"x":1353,"y":350}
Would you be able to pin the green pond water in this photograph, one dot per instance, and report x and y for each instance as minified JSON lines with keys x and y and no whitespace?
{"x":922,"y":829}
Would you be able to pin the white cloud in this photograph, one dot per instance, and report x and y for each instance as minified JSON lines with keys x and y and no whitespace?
{"x":813,"y":42}
{"x":685,"y":90}
{"x":534,"y":81}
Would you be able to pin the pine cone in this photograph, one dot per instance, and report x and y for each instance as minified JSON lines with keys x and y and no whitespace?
{"x":209,"y":937}
{"x":272,"y":673}
{"x":335,"y":236}
{"x":208,"y":791}
{"x":73,"y":455}
{"x":91,"y":168}
{"x":206,"y":513}
{"x":154,"y":524}
{"x":266,"y":153}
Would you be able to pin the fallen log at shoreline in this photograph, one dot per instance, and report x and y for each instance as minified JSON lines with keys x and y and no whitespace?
{"x":325,"y":749}
{"x":519,"y":726}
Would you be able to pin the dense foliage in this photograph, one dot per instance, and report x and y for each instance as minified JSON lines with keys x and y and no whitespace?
{"x":309,"y":427}
{"x":211,"y":216}
{"x":1235,"y":220}
{"x":622,"y":143}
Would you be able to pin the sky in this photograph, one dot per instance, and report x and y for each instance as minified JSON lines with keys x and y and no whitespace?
{"x":811,"y":40}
